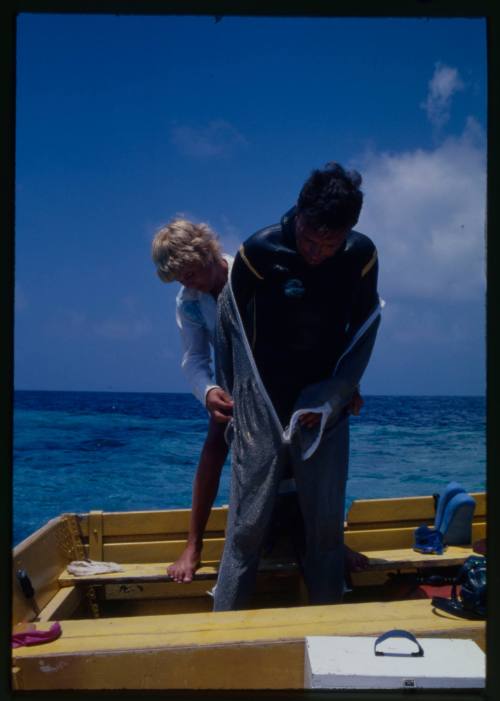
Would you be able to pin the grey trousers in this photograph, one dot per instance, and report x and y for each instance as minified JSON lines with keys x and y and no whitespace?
{"x":321,"y":484}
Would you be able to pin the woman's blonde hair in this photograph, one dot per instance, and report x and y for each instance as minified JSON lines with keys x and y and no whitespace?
{"x":180,"y":244}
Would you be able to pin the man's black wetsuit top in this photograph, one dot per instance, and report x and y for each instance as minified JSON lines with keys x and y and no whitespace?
{"x":300,"y":318}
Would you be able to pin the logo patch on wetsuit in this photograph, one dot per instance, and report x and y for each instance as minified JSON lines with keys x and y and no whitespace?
{"x":294,"y":288}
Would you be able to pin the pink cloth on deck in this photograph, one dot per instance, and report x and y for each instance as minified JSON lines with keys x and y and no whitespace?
{"x":36,"y":637}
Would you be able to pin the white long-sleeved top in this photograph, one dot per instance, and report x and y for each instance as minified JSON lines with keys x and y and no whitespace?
{"x":196,"y":314}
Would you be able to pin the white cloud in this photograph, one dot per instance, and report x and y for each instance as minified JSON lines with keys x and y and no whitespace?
{"x":431,"y":326}
{"x":218,"y":138}
{"x":443,"y":85}
{"x":426,"y":212}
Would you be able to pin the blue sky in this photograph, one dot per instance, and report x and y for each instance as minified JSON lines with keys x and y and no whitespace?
{"x":124,"y":122}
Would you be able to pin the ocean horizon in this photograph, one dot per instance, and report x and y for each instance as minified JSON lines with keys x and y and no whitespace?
{"x":76,"y":451}
{"x":133,"y":391}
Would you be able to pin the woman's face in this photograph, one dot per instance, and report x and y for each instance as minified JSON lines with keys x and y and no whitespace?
{"x":198,"y":277}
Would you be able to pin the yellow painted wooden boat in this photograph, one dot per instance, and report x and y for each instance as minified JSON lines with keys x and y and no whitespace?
{"x":135,"y":629}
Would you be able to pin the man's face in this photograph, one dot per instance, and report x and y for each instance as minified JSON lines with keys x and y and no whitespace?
{"x":317,"y":246}
{"x":198,"y":277}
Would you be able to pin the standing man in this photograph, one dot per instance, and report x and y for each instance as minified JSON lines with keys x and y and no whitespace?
{"x":297,"y":324}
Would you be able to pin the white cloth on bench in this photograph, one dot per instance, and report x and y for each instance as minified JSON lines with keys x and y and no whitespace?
{"x":81,"y":568}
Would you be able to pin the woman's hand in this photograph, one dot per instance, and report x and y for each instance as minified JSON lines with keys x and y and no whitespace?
{"x":219,"y":405}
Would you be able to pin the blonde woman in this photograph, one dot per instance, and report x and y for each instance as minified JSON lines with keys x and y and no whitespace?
{"x":190,"y":253}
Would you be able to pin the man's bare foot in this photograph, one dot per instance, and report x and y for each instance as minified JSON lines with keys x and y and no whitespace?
{"x":355,"y":562}
{"x":183,"y":569}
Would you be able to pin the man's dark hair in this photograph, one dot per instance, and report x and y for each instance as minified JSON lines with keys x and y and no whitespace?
{"x":331,"y":198}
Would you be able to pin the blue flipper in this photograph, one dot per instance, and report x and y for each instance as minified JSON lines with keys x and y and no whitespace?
{"x":456,"y":524}
{"x":428,"y":540}
{"x":451,"y":490}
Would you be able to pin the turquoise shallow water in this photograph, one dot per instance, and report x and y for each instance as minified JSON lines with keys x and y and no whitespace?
{"x":76,"y":451}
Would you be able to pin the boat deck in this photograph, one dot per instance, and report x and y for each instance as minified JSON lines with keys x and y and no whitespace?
{"x":252,"y":649}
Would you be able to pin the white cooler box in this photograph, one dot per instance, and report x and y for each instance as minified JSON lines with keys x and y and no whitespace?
{"x":339,"y":662}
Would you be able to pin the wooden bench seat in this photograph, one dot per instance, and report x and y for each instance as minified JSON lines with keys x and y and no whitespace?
{"x":138,"y":573}
{"x":379,"y":560}
{"x":133,"y":573}
{"x":380,"y":563}
{"x":402,"y":558}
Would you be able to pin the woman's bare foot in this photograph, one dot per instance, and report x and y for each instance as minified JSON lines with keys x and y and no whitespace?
{"x":183,"y":569}
{"x":355,"y":562}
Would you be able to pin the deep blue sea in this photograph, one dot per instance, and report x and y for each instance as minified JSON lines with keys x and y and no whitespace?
{"x":77,"y":451}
